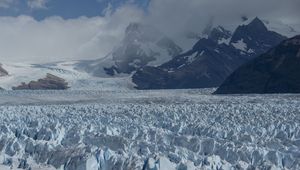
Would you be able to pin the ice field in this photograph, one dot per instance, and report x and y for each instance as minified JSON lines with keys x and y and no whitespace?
{"x":150,"y":130}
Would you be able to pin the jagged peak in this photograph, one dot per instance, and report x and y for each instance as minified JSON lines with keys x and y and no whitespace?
{"x":219,"y":33}
{"x":257,"y":24}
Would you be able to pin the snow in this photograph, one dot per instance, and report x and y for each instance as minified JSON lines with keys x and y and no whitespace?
{"x":224,"y":41}
{"x":78,"y":80}
{"x":190,"y":59}
{"x":251,"y":51}
{"x":240,"y":45}
{"x":169,"y":128}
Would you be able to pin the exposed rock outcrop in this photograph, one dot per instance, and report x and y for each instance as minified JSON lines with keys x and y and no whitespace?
{"x":50,"y":82}
{"x":277,"y":71}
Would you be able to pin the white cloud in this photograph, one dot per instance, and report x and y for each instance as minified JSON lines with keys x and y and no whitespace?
{"x":176,"y":18}
{"x":193,"y":14}
{"x":6,"y":3}
{"x":24,"y":39}
{"x":37,"y":4}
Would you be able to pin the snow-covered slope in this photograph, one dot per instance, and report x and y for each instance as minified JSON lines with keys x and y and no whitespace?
{"x":21,"y":72}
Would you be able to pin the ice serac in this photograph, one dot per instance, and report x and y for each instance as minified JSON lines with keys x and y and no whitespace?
{"x":211,"y":60}
{"x":50,"y":82}
{"x":162,"y":130}
{"x":143,"y":45}
{"x":276,"y":71}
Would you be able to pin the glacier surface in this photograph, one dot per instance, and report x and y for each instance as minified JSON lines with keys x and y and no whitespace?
{"x":151,"y":130}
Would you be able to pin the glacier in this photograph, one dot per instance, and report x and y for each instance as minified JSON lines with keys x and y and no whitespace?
{"x":148,"y":130}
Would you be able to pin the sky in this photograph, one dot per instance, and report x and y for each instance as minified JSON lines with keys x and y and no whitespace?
{"x":57,"y":30}
{"x":41,"y":9}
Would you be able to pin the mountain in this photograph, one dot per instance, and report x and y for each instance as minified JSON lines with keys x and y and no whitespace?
{"x":211,"y":59}
{"x":142,"y":46}
{"x":255,"y":37}
{"x":276,"y":71}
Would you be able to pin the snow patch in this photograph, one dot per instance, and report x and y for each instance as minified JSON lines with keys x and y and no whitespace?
{"x":240,"y":45}
{"x":224,"y":41}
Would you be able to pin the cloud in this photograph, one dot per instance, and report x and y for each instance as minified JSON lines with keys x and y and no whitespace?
{"x":37,"y":4}
{"x":194,"y":14}
{"x":24,"y":39}
{"x":32,"y":4}
{"x":6,"y":3}
{"x":176,"y":18}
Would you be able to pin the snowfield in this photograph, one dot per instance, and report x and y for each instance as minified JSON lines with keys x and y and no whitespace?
{"x":150,"y":130}
{"x":78,"y":80}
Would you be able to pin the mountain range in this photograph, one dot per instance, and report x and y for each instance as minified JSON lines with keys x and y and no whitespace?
{"x":148,"y":59}
{"x":143,"y":45}
{"x":211,"y":59}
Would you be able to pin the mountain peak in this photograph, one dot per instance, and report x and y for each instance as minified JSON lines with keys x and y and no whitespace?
{"x":257,"y":24}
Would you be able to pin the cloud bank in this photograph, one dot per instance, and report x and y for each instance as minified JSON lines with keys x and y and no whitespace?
{"x":193,"y":15}
{"x":25,"y":39}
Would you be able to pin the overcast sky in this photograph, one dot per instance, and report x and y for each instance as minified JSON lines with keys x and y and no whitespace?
{"x":55,"y":30}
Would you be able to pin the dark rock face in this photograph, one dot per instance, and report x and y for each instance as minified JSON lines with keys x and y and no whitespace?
{"x":198,"y":68}
{"x":276,"y":71}
{"x":3,"y":72}
{"x":50,"y":82}
{"x":219,"y":33}
{"x":257,"y":36}
{"x":211,"y":60}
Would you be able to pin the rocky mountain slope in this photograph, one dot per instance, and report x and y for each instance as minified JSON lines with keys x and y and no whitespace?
{"x":142,"y":46}
{"x":159,"y":61}
{"x":211,"y":59}
{"x":277,"y":71}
